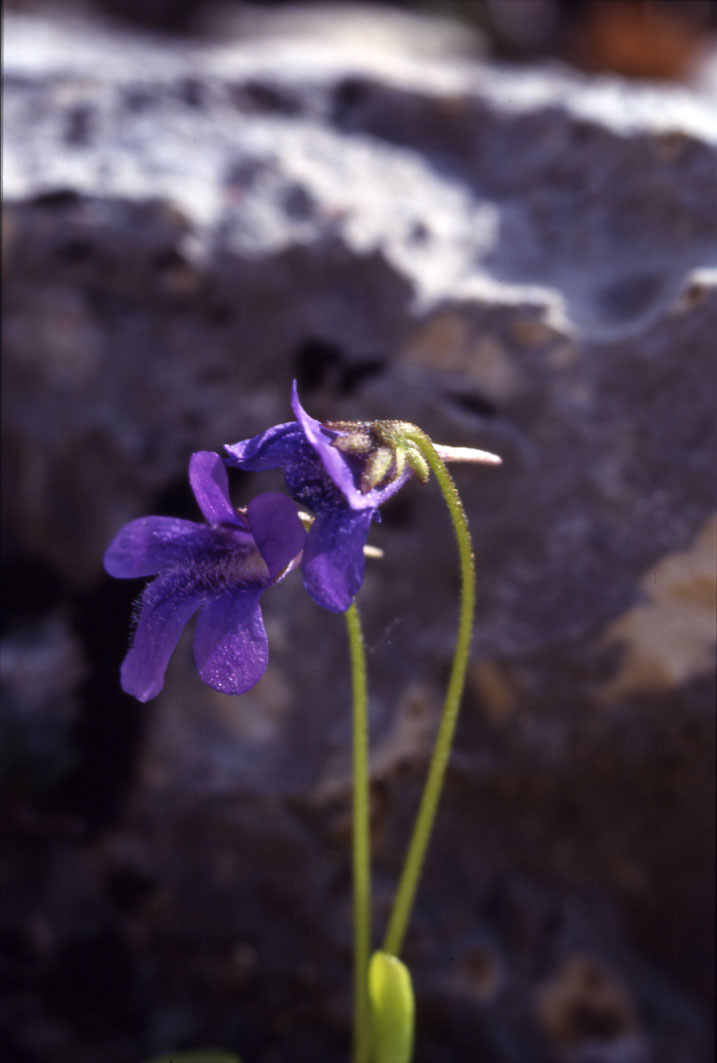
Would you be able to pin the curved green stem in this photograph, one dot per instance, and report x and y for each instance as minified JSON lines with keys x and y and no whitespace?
{"x":361,"y":840}
{"x":415,"y":856}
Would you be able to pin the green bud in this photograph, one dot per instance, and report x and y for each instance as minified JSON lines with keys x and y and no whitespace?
{"x":355,"y":442}
{"x":419,"y":465}
{"x":392,"y":1009}
{"x":377,"y":467}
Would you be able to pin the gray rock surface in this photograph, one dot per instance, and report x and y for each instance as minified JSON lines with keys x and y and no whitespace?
{"x":519,"y":260}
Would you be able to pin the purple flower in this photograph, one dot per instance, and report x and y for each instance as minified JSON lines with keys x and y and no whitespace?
{"x":342,"y":472}
{"x":220,"y":567}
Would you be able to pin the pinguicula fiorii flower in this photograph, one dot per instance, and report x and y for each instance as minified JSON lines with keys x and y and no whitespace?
{"x":328,"y":470}
{"x":341,"y":471}
{"x":220,"y":568}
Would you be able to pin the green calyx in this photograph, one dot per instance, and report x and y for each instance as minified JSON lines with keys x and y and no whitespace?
{"x":383,"y":448}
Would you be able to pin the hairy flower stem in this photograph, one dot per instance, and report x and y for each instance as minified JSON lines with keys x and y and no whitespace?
{"x":415,"y":856}
{"x":361,"y":839}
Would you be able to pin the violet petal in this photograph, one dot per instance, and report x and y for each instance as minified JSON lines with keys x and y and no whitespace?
{"x":333,"y":557}
{"x":230,"y":644}
{"x":333,"y":460}
{"x":210,"y":483}
{"x":164,"y":611}
{"x":277,"y":530}
{"x":278,"y":446}
{"x":148,"y":545}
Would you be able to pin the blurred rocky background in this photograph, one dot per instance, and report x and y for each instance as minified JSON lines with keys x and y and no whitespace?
{"x":478,"y":217}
